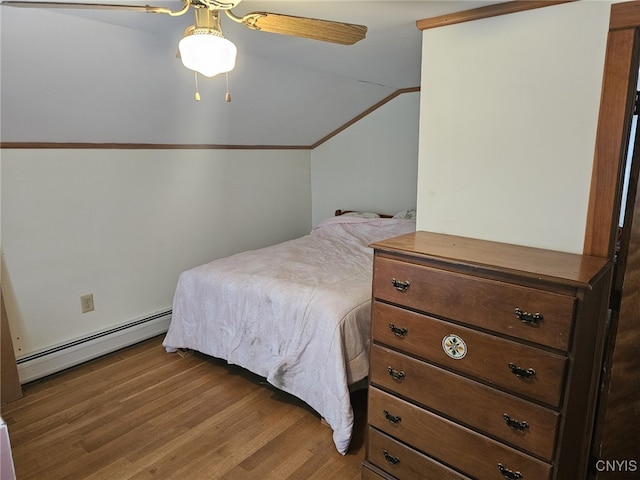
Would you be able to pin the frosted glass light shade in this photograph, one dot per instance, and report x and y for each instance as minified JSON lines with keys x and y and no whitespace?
{"x":207,"y":53}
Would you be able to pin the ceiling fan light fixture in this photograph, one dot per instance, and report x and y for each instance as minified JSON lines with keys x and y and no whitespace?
{"x":207,"y":52}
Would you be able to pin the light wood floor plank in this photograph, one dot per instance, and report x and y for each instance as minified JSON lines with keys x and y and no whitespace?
{"x":143,"y":414}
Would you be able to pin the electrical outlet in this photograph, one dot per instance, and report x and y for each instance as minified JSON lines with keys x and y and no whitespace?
{"x":86,"y":302}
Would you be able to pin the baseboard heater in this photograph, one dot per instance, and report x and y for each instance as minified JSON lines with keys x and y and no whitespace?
{"x":60,"y":357}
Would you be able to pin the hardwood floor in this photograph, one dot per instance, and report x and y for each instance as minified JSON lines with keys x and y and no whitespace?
{"x":142,"y":413}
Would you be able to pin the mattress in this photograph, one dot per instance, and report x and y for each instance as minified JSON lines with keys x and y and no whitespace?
{"x":296,"y":313}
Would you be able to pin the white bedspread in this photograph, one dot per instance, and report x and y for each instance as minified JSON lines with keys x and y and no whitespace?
{"x":296,"y":313}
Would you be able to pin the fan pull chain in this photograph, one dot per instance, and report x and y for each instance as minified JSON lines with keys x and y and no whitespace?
{"x":227,"y":97}
{"x":197,"y":94}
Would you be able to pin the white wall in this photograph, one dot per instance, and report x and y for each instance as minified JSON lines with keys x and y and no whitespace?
{"x":372,"y":165}
{"x":508,"y":121}
{"x":122,"y":224}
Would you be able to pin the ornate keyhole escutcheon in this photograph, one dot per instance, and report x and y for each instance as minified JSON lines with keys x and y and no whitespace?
{"x":454,"y":346}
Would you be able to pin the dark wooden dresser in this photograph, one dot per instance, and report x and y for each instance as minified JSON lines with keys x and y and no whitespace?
{"x":485,"y":360}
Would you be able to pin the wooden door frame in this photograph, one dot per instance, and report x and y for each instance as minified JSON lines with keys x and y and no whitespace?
{"x":615,"y":435}
{"x":614,"y":125}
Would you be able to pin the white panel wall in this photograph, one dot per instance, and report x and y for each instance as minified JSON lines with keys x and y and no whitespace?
{"x":372,"y":165}
{"x":122,"y":224}
{"x":508,"y":123}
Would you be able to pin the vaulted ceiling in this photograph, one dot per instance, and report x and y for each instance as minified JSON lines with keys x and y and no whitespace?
{"x":105,"y":76}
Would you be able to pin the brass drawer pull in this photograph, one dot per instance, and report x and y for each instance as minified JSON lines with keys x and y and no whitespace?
{"x":516,"y":425}
{"x":529,"y":318}
{"x":521,"y":372}
{"x":391,"y":418}
{"x":400,"y":286}
{"x":510,"y":474}
{"x":398,"y":331}
{"x":390,"y":458}
{"x":396,"y":374}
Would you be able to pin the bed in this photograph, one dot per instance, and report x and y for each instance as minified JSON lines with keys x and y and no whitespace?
{"x":296,"y":313}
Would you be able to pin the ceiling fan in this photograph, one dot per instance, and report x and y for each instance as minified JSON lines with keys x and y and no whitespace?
{"x":203,"y":47}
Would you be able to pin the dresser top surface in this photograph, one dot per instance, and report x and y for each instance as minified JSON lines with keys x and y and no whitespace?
{"x":573,"y":268}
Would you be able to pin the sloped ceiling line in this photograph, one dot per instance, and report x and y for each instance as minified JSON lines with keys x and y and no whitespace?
{"x":175,"y":146}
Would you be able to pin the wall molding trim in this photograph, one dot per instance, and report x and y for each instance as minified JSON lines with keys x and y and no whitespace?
{"x":364,"y":114}
{"x":483,"y":12}
{"x":144,"y":146}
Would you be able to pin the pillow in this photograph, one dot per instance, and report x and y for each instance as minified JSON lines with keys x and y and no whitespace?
{"x":406,"y":214}
{"x":362,"y":215}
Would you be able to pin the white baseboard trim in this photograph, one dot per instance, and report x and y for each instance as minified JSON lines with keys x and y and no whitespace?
{"x":57,"y":358}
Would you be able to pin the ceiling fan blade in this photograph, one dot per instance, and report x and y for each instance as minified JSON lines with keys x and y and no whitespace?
{"x":313,"y":28}
{"x":101,"y":6}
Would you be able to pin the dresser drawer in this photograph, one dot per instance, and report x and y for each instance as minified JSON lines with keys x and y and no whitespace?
{"x":403,"y":462}
{"x":486,"y":303}
{"x":487,"y":357}
{"x":478,"y":456}
{"x":369,"y":474}
{"x":474,"y":404}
